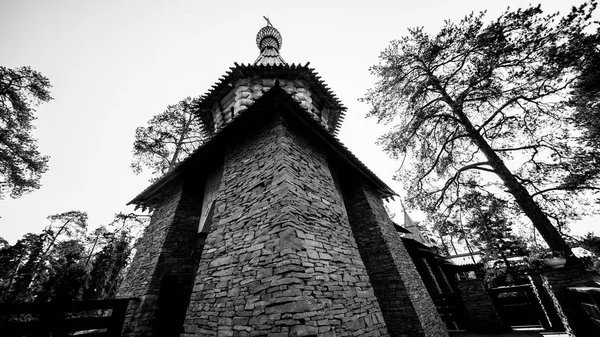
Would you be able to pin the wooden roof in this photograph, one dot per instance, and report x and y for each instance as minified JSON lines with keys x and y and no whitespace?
{"x":278,"y":71}
{"x":276,"y":95}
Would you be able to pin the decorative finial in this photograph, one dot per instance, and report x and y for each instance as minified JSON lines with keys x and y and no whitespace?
{"x":269,"y":43}
{"x":268,"y":21}
{"x":268,"y":37}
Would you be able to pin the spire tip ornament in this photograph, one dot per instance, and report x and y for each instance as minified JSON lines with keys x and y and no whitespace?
{"x":268,"y":21}
{"x":269,"y":41}
{"x":268,"y":37}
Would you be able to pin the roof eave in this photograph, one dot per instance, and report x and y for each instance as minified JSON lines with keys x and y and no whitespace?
{"x":143,"y":199}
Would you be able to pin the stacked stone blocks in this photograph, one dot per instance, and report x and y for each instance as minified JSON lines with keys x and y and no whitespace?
{"x":281,"y":259}
{"x":408,"y":309}
{"x":426,"y":272}
{"x":440,"y":276}
{"x":481,"y":313}
{"x":163,"y":257}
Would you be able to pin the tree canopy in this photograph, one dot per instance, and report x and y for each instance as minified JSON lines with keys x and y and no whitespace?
{"x":169,"y":138}
{"x":66,"y":262}
{"x":483,"y":107}
{"x":21,"y":164}
{"x":491,"y":228}
{"x":585,"y":99}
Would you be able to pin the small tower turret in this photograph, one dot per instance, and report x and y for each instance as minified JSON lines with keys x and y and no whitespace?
{"x":244,"y":84}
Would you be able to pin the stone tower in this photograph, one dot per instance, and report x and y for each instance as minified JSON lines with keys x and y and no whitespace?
{"x":272,"y":227}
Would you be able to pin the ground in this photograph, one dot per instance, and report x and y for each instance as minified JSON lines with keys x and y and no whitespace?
{"x":514,"y":333}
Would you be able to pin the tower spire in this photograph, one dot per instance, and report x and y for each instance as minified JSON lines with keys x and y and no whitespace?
{"x":269,"y":41}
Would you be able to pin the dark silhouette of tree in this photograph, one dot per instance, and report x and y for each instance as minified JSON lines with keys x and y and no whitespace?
{"x":491,"y":229}
{"x":481,"y":107}
{"x":95,"y":240}
{"x":169,"y":138}
{"x":21,"y":164}
{"x":69,"y":223}
{"x":585,"y":99}
{"x":66,"y":263}
{"x":20,"y":268}
{"x":451,"y":231}
{"x":67,"y":275}
{"x":109,"y":264}
{"x":31,"y":262}
{"x":590,"y":242}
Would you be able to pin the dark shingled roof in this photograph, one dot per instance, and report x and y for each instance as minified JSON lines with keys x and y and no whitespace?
{"x":275,"y":96}
{"x":282,"y":71}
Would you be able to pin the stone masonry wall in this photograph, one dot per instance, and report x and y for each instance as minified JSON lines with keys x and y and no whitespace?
{"x":407,"y":307}
{"x":427,"y":275}
{"x":160,"y":275}
{"x":481,"y":313}
{"x":280,"y":259}
{"x":440,"y":276}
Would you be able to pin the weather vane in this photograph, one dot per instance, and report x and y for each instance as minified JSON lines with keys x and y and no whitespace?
{"x":268,"y":22}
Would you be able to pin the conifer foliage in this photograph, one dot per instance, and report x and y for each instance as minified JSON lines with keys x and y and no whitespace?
{"x":65,"y":262}
{"x":21,"y":164}
{"x":483,"y":107}
{"x":491,"y":228}
{"x":168,"y":139}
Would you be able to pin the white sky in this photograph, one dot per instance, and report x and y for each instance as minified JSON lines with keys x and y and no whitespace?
{"x":115,"y":64}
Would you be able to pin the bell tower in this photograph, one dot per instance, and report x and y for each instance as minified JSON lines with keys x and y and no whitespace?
{"x":272,"y":227}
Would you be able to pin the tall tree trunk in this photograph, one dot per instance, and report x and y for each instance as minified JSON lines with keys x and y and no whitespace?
{"x":56,"y":236}
{"x":92,"y":250}
{"x":522,"y":197}
{"x":182,"y":136}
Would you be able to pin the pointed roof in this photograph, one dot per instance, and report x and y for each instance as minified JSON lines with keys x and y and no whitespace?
{"x":415,"y":233}
{"x":269,"y":57}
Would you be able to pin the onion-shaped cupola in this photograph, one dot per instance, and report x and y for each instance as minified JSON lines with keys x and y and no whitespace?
{"x":268,"y":41}
{"x":243,"y":85}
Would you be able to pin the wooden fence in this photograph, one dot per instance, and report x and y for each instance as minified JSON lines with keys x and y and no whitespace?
{"x":83,"y":318}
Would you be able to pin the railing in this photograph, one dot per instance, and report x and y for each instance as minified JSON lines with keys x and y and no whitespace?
{"x":517,"y":305}
{"x":83,"y":318}
{"x":589,"y":300}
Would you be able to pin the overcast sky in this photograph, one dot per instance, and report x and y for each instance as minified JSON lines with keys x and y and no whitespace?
{"x":115,"y":64}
